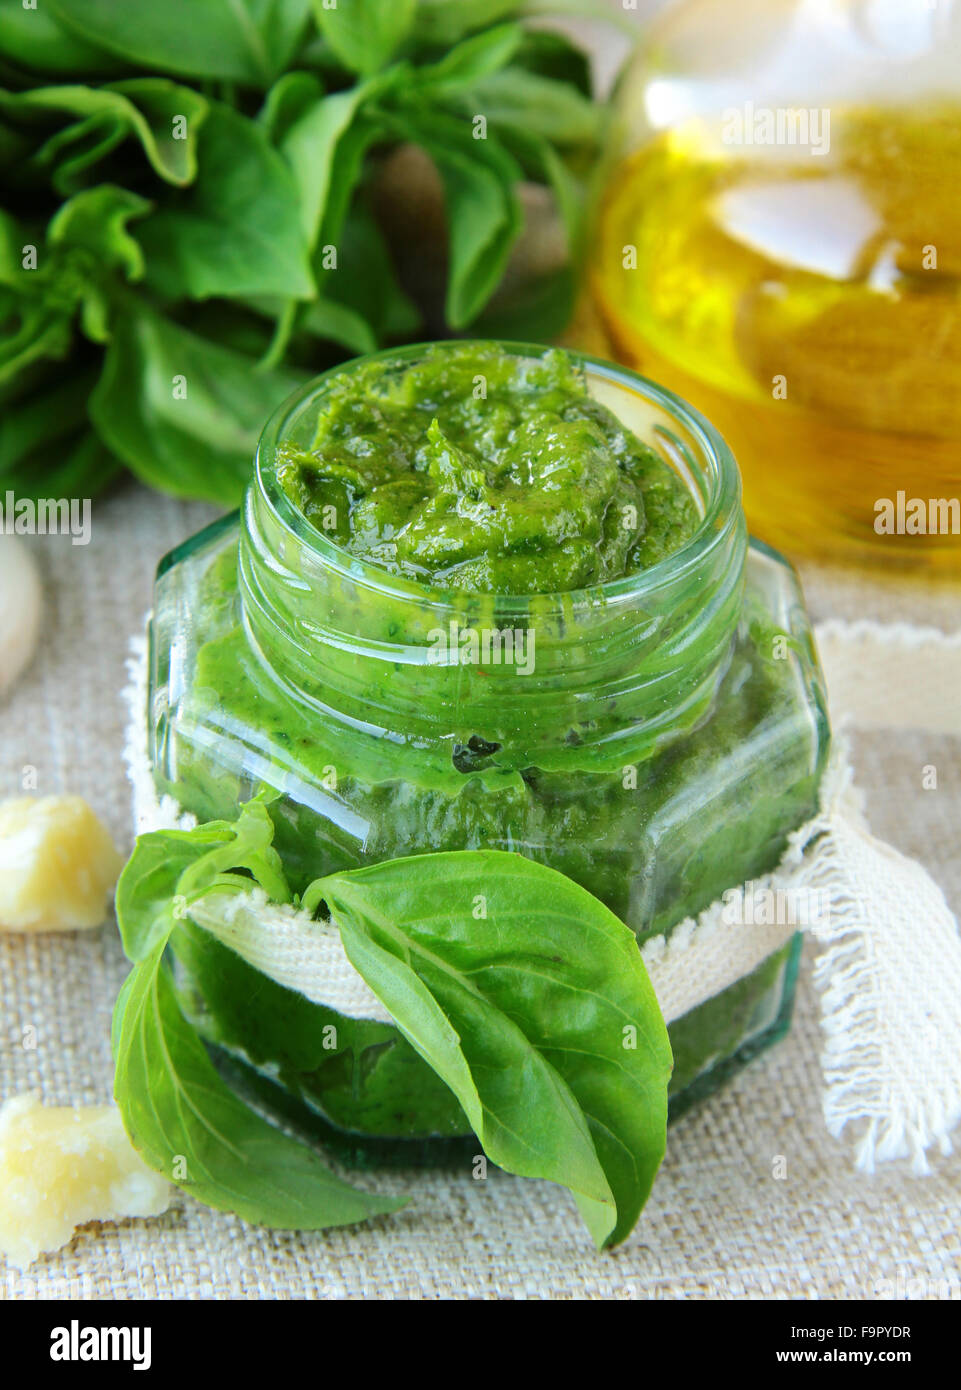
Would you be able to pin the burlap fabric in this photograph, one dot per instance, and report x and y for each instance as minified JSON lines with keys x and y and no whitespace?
{"x":721,"y":1222}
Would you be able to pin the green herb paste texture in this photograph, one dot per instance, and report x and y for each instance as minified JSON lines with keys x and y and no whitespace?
{"x":479,"y":471}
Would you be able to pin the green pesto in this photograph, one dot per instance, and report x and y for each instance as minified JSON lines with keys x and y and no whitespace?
{"x":479,"y":471}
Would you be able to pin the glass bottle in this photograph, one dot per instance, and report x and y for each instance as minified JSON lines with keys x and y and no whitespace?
{"x":779,"y":241}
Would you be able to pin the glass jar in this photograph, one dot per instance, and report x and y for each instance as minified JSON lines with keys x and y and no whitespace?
{"x":655,"y":738}
{"x":779,"y":241}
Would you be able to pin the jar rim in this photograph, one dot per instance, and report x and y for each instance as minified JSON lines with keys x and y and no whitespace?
{"x":721,"y":508}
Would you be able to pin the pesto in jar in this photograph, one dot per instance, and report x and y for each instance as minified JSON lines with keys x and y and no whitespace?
{"x":481,"y":471}
{"x":665,"y":736}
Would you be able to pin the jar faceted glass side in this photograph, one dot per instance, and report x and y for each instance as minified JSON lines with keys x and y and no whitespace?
{"x":656,"y":739}
{"x":779,"y":241}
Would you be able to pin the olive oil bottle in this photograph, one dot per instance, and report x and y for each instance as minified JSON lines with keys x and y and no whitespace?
{"x":795,"y":273}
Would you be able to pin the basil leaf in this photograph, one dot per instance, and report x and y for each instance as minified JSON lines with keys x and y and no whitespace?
{"x":241,"y":41}
{"x":67,"y":156}
{"x":143,"y":108}
{"x":249,"y":847}
{"x":485,"y":220}
{"x":37,"y":335}
{"x":439,"y":22}
{"x":530,"y":999}
{"x":365,"y":34}
{"x":180,"y":1115}
{"x":237,"y":230}
{"x":35,"y":325}
{"x":541,"y":105}
{"x":338,"y":323}
{"x":325,"y":143}
{"x":345,"y":176}
{"x":187,"y":1123}
{"x":483,"y":209}
{"x":443,"y":22}
{"x":87,"y":244}
{"x":309,"y":147}
{"x":163,"y":104}
{"x":474,"y":58}
{"x":166,"y":863}
{"x":147,"y":887}
{"x":284,"y":26}
{"x":95,"y":221}
{"x":287,"y":100}
{"x":35,"y":40}
{"x":184,"y":413}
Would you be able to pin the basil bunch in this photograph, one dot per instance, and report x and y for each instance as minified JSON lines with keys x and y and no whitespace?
{"x":187,"y":227}
{"x":537,"y":1014}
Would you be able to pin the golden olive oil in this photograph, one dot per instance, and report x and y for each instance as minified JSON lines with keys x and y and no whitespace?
{"x":809,"y":304}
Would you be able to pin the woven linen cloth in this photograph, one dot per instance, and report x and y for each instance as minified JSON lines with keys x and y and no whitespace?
{"x":720,"y":1222}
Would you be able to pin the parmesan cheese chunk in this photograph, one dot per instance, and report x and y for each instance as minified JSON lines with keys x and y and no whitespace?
{"x":62,"y":1166}
{"x":57,"y":864}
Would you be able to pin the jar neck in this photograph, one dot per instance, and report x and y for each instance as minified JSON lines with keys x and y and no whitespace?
{"x":594,"y":678}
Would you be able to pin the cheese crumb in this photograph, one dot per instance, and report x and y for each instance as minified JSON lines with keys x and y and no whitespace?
{"x":62,"y":1166}
{"x":58,"y":864}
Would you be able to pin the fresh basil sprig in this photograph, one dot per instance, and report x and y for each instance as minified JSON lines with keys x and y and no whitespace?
{"x":183,"y":1118}
{"x":521,"y":991}
{"x":190,"y":205}
{"x":530,"y":999}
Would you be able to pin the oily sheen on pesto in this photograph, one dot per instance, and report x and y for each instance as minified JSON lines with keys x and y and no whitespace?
{"x":478,"y":470}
